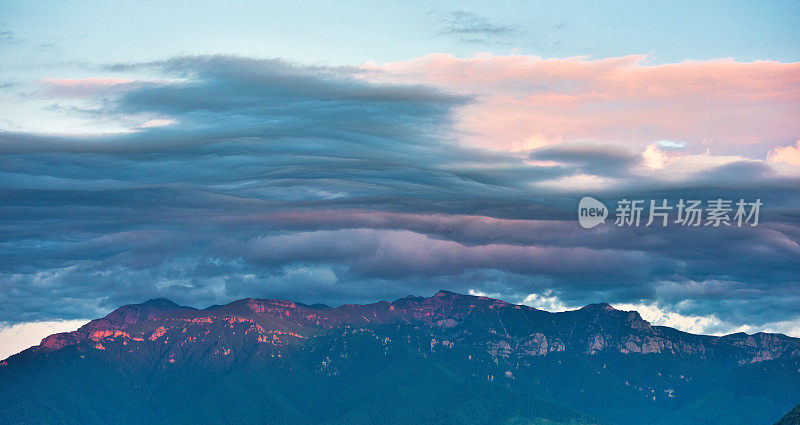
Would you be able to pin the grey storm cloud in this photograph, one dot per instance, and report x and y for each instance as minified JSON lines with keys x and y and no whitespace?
{"x":592,"y":158}
{"x":280,"y":180}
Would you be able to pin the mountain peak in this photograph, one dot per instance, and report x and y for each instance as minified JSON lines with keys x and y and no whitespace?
{"x":131,"y":314}
{"x":160,"y":303}
{"x":449,"y":294}
{"x":599,"y":306}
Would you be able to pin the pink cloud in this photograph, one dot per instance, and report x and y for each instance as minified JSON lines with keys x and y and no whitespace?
{"x":789,"y":154}
{"x":523,"y":102}
{"x":83,"y":87}
{"x":158,"y":122}
{"x":401,"y":252}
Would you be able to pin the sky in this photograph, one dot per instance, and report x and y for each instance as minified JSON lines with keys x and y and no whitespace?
{"x":358,"y":151}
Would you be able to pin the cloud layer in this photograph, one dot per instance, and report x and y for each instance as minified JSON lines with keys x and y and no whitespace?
{"x":245,"y":177}
{"x":527,"y":102}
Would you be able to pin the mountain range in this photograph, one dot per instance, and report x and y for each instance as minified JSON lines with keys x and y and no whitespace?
{"x":445,"y":359}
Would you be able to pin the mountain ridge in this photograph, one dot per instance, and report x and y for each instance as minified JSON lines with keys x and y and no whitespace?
{"x":132,"y":314}
{"x":595,"y":364}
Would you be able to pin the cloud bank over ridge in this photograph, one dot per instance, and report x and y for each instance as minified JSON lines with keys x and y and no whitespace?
{"x":243,"y":177}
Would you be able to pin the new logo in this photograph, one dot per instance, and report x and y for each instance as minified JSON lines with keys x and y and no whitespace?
{"x":591,"y":212}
